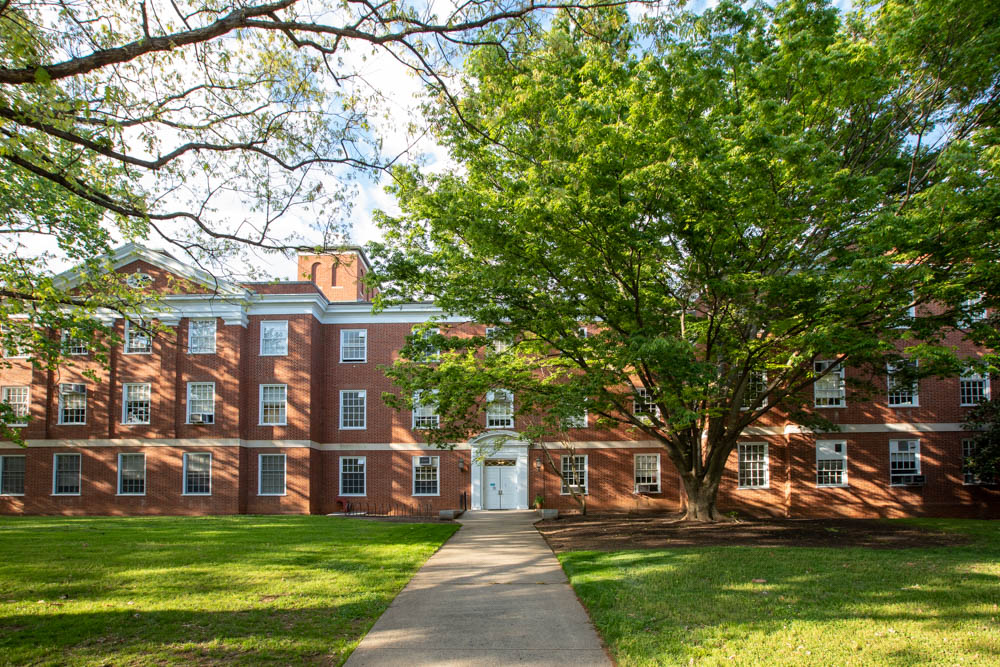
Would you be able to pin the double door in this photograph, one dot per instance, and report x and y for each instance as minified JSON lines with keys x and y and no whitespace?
{"x":501,"y":483}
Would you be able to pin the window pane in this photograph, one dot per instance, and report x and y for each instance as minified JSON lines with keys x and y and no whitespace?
{"x":201,"y":401}
{"x":72,"y":404}
{"x":752,"y":465}
{"x":12,"y":475}
{"x":136,"y":403}
{"x":137,"y":340}
{"x":132,"y":473}
{"x":647,"y":473}
{"x":198,"y":473}
{"x":272,"y":404}
{"x":425,"y":414}
{"x":500,"y":409}
{"x":973,"y":389}
{"x":352,"y":475}
{"x":353,"y":345}
{"x":17,"y":399}
{"x":274,"y":337}
{"x":272,"y":474}
{"x":756,"y":387}
{"x":201,"y":336}
{"x":574,"y":473}
{"x":67,"y":476}
{"x":425,"y":477}
{"x":352,"y":409}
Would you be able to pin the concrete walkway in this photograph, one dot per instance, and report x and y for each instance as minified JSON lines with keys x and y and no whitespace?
{"x":494,"y":594}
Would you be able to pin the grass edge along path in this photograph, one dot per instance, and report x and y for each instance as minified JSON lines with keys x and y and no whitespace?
{"x":200,"y":590}
{"x":798,"y":605}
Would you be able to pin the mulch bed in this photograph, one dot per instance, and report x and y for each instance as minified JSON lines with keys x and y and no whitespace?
{"x":619,"y":531}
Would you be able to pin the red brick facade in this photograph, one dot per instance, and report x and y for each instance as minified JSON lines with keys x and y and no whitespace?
{"x":311,"y":441}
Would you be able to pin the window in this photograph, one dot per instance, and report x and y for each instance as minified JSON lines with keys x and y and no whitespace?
{"x":831,"y":463}
{"x":974,"y":310}
{"x":647,"y":473}
{"x":72,"y":404}
{"x":499,"y":409}
{"x":17,"y":399}
{"x":271,"y":480}
{"x":753,"y":465}
{"x":73,"y":346}
{"x":273,"y":404}
{"x":426,"y":471}
{"x":274,"y":338}
{"x":137,"y":339}
{"x":425,"y":413}
{"x":969,"y":477}
{"x":904,"y":462}
{"x":352,"y":409}
{"x":829,"y":391}
{"x":756,"y":387}
{"x":201,"y":336}
{"x":974,"y":388}
{"x":198,"y":474}
{"x":15,"y":349}
{"x":201,"y":403}
{"x":66,"y":475}
{"x":12,"y":475}
{"x":352,"y":475}
{"x":581,"y":332}
{"x":430,"y":353}
{"x":131,"y":474}
{"x":574,"y":473}
{"x":354,"y":346}
{"x":135,"y":403}
{"x":902,"y":392}
{"x":576,"y":421}
{"x":498,"y":345}
{"x":644,"y":405}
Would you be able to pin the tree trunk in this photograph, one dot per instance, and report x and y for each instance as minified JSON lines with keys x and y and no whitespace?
{"x":699,"y":501}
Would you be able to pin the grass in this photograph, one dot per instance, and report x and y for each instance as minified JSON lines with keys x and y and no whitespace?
{"x":168,"y":590}
{"x":819,"y":606}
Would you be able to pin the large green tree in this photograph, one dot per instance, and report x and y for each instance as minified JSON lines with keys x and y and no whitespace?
{"x":722,"y":199}
{"x":210,"y":127}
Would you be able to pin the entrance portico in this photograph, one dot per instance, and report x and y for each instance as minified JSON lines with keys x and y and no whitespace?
{"x":499,"y":471}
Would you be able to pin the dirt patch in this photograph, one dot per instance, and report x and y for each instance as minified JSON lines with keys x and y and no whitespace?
{"x":617,"y":532}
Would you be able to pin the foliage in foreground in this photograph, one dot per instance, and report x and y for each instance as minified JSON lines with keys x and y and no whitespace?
{"x":248,"y":590}
{"x":748,"y":605}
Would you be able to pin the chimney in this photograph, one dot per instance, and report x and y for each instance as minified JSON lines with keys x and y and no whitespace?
{"x":337,"y":274}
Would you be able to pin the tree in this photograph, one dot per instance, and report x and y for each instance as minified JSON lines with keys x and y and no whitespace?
{"x":211,"y":126}
{"x":723,"y":200}
{"x":984,"y":423}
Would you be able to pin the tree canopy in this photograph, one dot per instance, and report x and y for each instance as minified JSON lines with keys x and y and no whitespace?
{"x":722,"y":200}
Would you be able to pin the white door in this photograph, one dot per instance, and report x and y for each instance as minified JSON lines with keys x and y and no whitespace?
{"x":501,"y":484}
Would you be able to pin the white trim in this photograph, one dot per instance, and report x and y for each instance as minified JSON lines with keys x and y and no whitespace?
{"x":27,"y":400}
{"x":838,"y":372}
{"x":260,"y":404}
{"x":284,"y":474}
{"x":919,"y":468}
{"x":187,"y":406}
{"x":413,"y":475}
{"x":126,"y":342}
{"x":353,"y":361}
{"x":24,"y":482}
{"x":340,"y":475}
{"x":125,"y":398}
{"x":767,"y":467}
{"x":364,"y":397}
{"x":635,"y":471}
{"x":914,"y":390}
{"x":55,"y":470}
{"x":215,"y":335}
{"x":184,"y":474}
{"x":842,"y":456}
{"x":119,"y":488}
{"x":261,"y":334}
{"x":59,"y":405}
{"x":981,"y":377}
{"x":586,"y":474}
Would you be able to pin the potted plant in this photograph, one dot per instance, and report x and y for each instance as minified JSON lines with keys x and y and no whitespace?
{"x":539,"y":501}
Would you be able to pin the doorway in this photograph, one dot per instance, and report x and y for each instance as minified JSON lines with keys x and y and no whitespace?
{"x":500,"y":483}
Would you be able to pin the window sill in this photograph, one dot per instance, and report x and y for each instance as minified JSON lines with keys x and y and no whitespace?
{"x":274,"y":354}
{"x":353,"y":428}
{"x":201,"y":424}
{"x":275,"y":424}
{"x":71,"y":423}
{"x":11,"y":495}
{"x":426,"y":495}
{"x":134,"y":424}
{"x":904,"y":405}
{"x":16,"y":425}
{"x":354,"y":361}
{"x":353,"y":495}
{"x":201,"y":352}
{"x":271,"y":495}
{"x":832,"y":486}
{"x":197,"y":495}
{"x":753,"y":488}
{"x":71,"y":495}
{"x":827,"y":407}
{"x":138,"y":353}
{"x":130,"y":495}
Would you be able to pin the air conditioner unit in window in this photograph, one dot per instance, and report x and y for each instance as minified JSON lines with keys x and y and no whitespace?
{"x":197,"y":418}
{"x":647,"y":488}
{"x":72,"y":388}
{"x":425,"y":461}
{"x":909,"y":480}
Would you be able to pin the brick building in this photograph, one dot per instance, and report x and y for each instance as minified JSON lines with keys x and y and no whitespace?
{"x":265,"y":398}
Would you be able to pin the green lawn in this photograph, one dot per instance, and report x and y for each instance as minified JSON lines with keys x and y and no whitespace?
{"x":816,"y":606}
{"x":245,"y":589}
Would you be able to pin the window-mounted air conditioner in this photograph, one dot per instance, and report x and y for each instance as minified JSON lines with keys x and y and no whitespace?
{"x":72,"y":388}
{"x":909,"y":480}
{"x":425,"y":461}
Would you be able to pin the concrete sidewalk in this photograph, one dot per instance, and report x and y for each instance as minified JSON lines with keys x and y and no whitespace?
{"x":494,"y":594}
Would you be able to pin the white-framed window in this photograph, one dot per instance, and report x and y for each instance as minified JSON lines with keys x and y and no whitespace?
{"x":353,"y":409}
{"x":137,"y":339}
{"x":352,"y":475}
{"x":432,"y":354}
{"x":17,"y":399}
{"x":425,"y":411}
{"x":973,"y":388}
{"x":902,"y":392}
{"x":499,"y":408}
{"x":14,"y":351}
{"x":581,"y":332}
{"x":904,"y":462}
{"x":131,"y":474}
{"x":753,"y":472}
{"x":354,"y":346}
{"x":496,"y":344}
{"x":576,"y":421}
{"x":273,"y":404}
{"x":426,"y":475}
{"x":197,"y":473}
{"x":644,"y":405}
{"x":66,"y":474}
{"x":271,"y":474}
{"x":74,"y":346}
{"x":756,"y":387}
{"x":829,"y":391}
{"x":831,"y":463}
{"x":968,"y":476}
{"x":201,"y":336}
{"x":200,"y":402}
{"x":273,"y":338}
{"x":72,"y":404}
{"x":974,"y":310}
{"x":12,"y":470}
{"x":647,"y":473}
{"x":135,"y":402}
{"x":574,"y":473}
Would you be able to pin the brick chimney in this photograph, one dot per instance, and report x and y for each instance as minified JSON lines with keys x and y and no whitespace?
{"x":337,"y":274}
